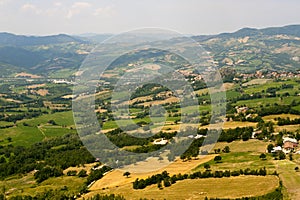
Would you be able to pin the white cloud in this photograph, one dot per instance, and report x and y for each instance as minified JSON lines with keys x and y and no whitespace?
{"x":105,"y":11}
{"x":57,"y":4}
{"x":2,"y":2}
{"x":77,"y":8}
{"x":31,"y":8}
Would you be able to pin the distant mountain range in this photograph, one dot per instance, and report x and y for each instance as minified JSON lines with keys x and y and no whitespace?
{"x":246,"y":50}
{"x":291,"y":30}
{"x":21,"y":40}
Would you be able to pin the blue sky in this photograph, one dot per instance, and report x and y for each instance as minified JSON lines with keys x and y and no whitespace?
{"x":45,"y":17}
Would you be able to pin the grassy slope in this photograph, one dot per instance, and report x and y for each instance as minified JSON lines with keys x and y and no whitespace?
{"x":232,"y":187}
{"x":27,"y":135}
{"x":289,"y":177}
{"x":26,"y":185}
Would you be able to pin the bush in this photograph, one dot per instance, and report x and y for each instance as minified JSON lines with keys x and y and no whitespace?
{"x":82,"y":173}
{"x":263,"y":156}
{"x":218,"y":159}
{"x":72,"y":173}
{"x":46,"y":173}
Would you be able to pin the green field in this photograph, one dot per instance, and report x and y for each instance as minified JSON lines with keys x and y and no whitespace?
{"x":26,"y":135}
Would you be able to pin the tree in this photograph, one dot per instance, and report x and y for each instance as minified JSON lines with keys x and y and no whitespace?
{"x":226,"y":149}
{"x":2,"y":160}
{"x":167,"y":182}
{"x":263,"y":156}
{"x":281,"y":155}
{"x":207,"y":166}
{"x":291,"y":156}
{"x":270,"y":148}
{"x":72,"y":173}
{"x":126,"y":174}
{"x":218,"y":159}
{"x":9,"y":139}
{"x":159,"y":185}
{"x":82,"y":173}
{"x":296,"y":168}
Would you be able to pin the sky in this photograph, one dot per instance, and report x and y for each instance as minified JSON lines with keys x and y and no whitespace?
{"x":198,"y":17}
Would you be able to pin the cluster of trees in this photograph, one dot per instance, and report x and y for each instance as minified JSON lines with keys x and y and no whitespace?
{"x":24,"y":115}
{"x":46,"y":173}
{"x":168,"y":180}
{"x":148,"y":89}
{"x":278,"y":109}
{"x":97,"y":174}
{"x":157,"y":179}
{"x":6,"y":126}
{"x":242,"y":117}
{"x":279,"y":155}
{"x":247,"y":97}
{"x":287,"y":121}
{"x":68,"y":152}
{"x":107,"y":197}
{"x":193,"y":150}
{"x":121,"y":139}
{"x":238,"y":133}
{"x":226,"y":149}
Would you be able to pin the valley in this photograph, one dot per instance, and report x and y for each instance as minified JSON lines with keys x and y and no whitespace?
{"x":43,"y":154}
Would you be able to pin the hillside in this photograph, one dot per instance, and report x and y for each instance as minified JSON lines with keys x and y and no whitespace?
{"x":246,"y":50}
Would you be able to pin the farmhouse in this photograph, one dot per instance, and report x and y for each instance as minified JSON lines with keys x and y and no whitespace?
{"x":289,"y":144}
{"x":196,"y":137}
{"x":241,"y":109}
{"x":255,"y":133}
{"x":160,"y":141}
{"x":199,"y":136}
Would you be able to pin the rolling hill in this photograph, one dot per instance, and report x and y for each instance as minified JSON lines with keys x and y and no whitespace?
{"x":246,"y":50}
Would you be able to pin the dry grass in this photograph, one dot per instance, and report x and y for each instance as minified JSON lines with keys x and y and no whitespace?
{"x":226,"y":86}
{"x":289,"y":177}
{"x":243,"y":40}
{"x":108,"y":75}
{"x":23,"y":74}
{"x":86,"y":167}
{"x":256,"y":82}
{"x":116,"y":178}
{"x":42,"y":92}
{"x":202,"y":91}
{"x":100,"y":110}
{"x":227,"y":125}
{"x":233,"y":187}
{"x":241,"y":146}
{"x":11,"y":100}
{"x":272,"y":117}
{"x":161,"y":102}
{"x":54,"y":106}
{"x":234,"y":124}
{"x":287,"y":128}
{"x":69,"y":96}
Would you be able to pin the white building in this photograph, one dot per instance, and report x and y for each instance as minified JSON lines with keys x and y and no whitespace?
{"x":160,"y":141}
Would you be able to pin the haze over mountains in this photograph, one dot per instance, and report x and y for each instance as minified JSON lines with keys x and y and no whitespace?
{"x":246,"y":50}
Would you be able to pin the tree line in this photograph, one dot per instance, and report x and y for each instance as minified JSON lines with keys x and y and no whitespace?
{"x":287,"y":121}
{"x":167,"y":180}
{"x":48,"y":157}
